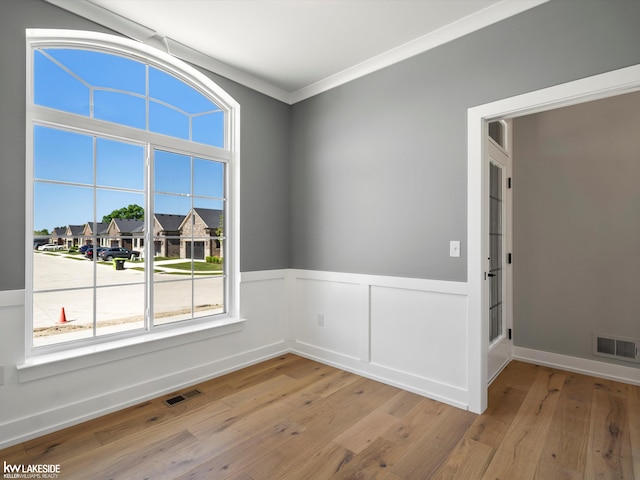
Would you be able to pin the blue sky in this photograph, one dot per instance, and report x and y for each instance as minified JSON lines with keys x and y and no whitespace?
{"x":100,"y":174}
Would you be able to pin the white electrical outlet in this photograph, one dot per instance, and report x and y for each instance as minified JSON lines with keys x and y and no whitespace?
{"x":320,"y":320}
{"x":454,"y":248}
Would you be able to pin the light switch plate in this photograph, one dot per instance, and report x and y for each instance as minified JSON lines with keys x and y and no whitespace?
{"x":454,"y":248}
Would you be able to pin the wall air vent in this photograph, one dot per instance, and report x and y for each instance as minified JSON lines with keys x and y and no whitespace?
{"x":170,"y":402}
{"x":620,"y":348}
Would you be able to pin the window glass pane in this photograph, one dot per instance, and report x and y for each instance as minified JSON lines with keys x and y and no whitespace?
{"x":497,"y":132}
{"x":57,"y":205}
{"x":62,"y":155}
{"x":120,"y":108}
{"x":171,"y":204}
{"x":209,"y":204}
{"x":119,"y":309}
{"x":59,"y":269}
{"x":206,"y":222}
{"x":208,"y":295}
{"x":170,"y":90}
{"x":172,"y":212}
{"x":172,"y":173}
{"x":208,"y":178}
{"x":103,"y":69}
{"x":48,"y":310}
{"x":127,"y":204}
{"x":119,"y":265}
{"x":54,"y":87}
{"x":168,"y":121}
{"x":209,"y":129}
{"x":119,"y":164}
{"x":165,"y":247}
{"x":173,"y":299}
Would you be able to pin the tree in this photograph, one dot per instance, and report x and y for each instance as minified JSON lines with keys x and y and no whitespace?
{"x":44,"y":231}
{"x":134,"y":212}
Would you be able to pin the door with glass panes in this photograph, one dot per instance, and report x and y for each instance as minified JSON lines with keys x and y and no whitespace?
{"x":498,"y":274}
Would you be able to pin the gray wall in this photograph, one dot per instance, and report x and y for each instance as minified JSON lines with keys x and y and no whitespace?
{"x":577,"y":225}
{"x":264,"y":149}
{"x":369,"y":177}
{"x":379,"y":164}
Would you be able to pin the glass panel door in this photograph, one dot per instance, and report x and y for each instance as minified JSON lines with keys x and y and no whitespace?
{"x":496,"y":243}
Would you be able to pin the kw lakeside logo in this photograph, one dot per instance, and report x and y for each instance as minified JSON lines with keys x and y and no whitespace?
{"x":31,"y":471}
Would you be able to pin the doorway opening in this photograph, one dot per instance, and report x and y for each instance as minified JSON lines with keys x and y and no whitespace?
{"x":592,"y":88}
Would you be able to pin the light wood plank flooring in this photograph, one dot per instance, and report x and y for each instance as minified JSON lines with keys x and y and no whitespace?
{"x":292,"y":418}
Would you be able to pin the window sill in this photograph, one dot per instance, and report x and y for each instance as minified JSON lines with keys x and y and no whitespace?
{"x":46,"y":365}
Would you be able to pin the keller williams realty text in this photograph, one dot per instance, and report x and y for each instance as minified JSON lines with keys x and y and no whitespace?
{"x":31,"y":471}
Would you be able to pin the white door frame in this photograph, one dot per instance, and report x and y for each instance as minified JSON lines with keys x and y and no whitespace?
{"x":604,"y":85}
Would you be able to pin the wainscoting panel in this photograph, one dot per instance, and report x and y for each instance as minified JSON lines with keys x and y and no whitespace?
{"x":421,"y":333}
{"x":406,"y":332}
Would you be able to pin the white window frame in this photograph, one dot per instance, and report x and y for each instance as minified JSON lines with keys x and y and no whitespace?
{"x":194,"y":329}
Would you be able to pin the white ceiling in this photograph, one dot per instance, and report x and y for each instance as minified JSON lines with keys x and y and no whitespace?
{"x":293,"y":49}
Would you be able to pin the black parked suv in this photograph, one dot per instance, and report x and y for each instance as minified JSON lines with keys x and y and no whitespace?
{"x":117,"y":252}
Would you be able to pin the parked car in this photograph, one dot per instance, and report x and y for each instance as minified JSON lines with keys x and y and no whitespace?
{"x":117,"y":252}
{"x":89,"y":252}
{"x":83,"y":248}
{"x":50,"y":247}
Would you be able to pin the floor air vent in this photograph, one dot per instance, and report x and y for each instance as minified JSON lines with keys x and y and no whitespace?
{"x":627,"y":349}
{"x":170,"y":402}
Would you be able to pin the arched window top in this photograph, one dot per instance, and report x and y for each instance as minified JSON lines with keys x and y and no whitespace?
{"x":116,"y":80}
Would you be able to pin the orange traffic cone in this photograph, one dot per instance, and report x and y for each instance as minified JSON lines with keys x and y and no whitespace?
{"x":63,"y":316}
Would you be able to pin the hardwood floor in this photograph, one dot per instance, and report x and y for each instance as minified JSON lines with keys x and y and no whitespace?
{"x":292,"y":418}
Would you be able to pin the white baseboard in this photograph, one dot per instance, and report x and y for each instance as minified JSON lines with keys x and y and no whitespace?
{"x":26,"y":428}
{"x":609,"y":371}
{"x":448,"y":394}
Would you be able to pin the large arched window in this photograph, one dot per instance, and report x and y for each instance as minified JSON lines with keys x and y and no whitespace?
{"x":132,"y":188}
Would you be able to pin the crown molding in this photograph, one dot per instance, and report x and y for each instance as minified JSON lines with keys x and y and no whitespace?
{"x":131,"y":29}
{"x":464,"y":26}
{"x":136,"y":31}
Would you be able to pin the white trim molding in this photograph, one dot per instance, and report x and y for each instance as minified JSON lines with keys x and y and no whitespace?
{"x":594,"y":368}
{"x":12,"y":298}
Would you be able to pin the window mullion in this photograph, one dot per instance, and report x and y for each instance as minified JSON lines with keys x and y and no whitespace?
{"x":57,"y":118}
{"x":94,"y":258}
{"x":149,"y":238}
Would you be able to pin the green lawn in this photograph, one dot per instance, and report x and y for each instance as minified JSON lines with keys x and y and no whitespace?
{"x":197,"y":266}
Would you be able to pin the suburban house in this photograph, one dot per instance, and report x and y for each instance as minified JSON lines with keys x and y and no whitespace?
{"x":73,"y":235}
{"x":424,"y":215}
{"x":166,"y":234}
{"x":58,"y":236}
{"x":125,"y":233}
{"x":101,"y":231}
{"x":202,"y":224}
